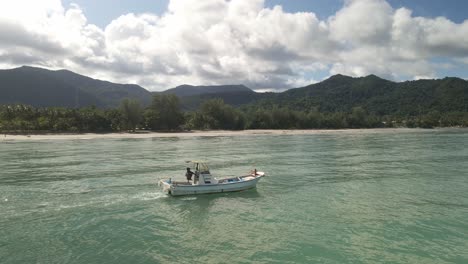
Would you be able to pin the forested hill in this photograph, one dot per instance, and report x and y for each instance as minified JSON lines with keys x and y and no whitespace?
{"x":190,"y":90}
{"x":376,"y":95}
{"x":45,"y":88}
{"x":193,"y":96}
{"x":341,"y":93}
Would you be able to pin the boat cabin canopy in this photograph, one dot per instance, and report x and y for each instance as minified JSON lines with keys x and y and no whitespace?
{"x":200,"y":166}
{"x":202,"y":173}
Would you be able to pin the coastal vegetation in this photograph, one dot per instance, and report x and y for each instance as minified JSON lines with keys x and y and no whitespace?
{"x":165,"y":114}
{"x":34,"y":100}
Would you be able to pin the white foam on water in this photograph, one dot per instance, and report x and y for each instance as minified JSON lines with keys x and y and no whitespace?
{"x":79,"y":191}
{"x":45,"y":204}
{"x":188,"y":198}
{"x":146,"y":196}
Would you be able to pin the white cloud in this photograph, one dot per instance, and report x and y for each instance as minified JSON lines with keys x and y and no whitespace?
{"x":362,"y":22}
{"x":230,"y":42}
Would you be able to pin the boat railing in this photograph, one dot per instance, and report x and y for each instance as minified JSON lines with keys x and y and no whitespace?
{"x":181,"y":183}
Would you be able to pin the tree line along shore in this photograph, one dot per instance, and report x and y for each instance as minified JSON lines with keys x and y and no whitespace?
{"x":165,"y":114}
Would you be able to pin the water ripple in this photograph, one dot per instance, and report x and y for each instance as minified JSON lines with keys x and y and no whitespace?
{"x":361,"y":196}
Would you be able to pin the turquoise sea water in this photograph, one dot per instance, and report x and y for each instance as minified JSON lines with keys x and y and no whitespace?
{"x":368,"y":196}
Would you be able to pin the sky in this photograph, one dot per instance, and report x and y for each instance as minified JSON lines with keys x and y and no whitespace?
{"x":268,"y":45}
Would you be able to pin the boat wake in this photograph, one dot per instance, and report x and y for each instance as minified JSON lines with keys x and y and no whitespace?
{"x":188,"y":198}
{"x":147,"y":196}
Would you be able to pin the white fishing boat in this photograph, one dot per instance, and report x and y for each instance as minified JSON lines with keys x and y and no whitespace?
{"x":204,"y":182}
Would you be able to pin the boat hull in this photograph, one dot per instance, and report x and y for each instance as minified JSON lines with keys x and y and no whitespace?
{"x":179,"y":190}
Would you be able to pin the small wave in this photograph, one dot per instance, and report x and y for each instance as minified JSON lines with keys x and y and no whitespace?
{"x":42,"y":205}
{"x":146,"y":196}
{"x":72,"y":192}
{"x":188,"y":198}
{"x":438,"y":203}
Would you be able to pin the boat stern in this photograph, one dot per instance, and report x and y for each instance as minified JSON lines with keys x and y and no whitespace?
{"x":166,"y":185}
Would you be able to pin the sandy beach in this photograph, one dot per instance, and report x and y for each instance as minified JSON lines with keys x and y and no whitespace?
{"x":194,"y":133}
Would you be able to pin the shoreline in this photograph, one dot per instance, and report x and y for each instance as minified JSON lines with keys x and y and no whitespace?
{"x":200,"y":133}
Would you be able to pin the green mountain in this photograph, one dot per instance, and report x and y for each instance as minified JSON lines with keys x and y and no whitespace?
{"x":111,"y":94}
{"x":192,"y":97}
{"x":41,"y":87}
{"x":376,"y":95}
{"x":341,"y":93}
{"x":190,"y":90}
{"x":234,"y":98}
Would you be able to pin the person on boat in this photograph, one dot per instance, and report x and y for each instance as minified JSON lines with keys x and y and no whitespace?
{"x":189,"y":174}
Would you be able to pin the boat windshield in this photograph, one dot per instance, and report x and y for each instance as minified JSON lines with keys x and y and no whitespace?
{"x":202,"y":167}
